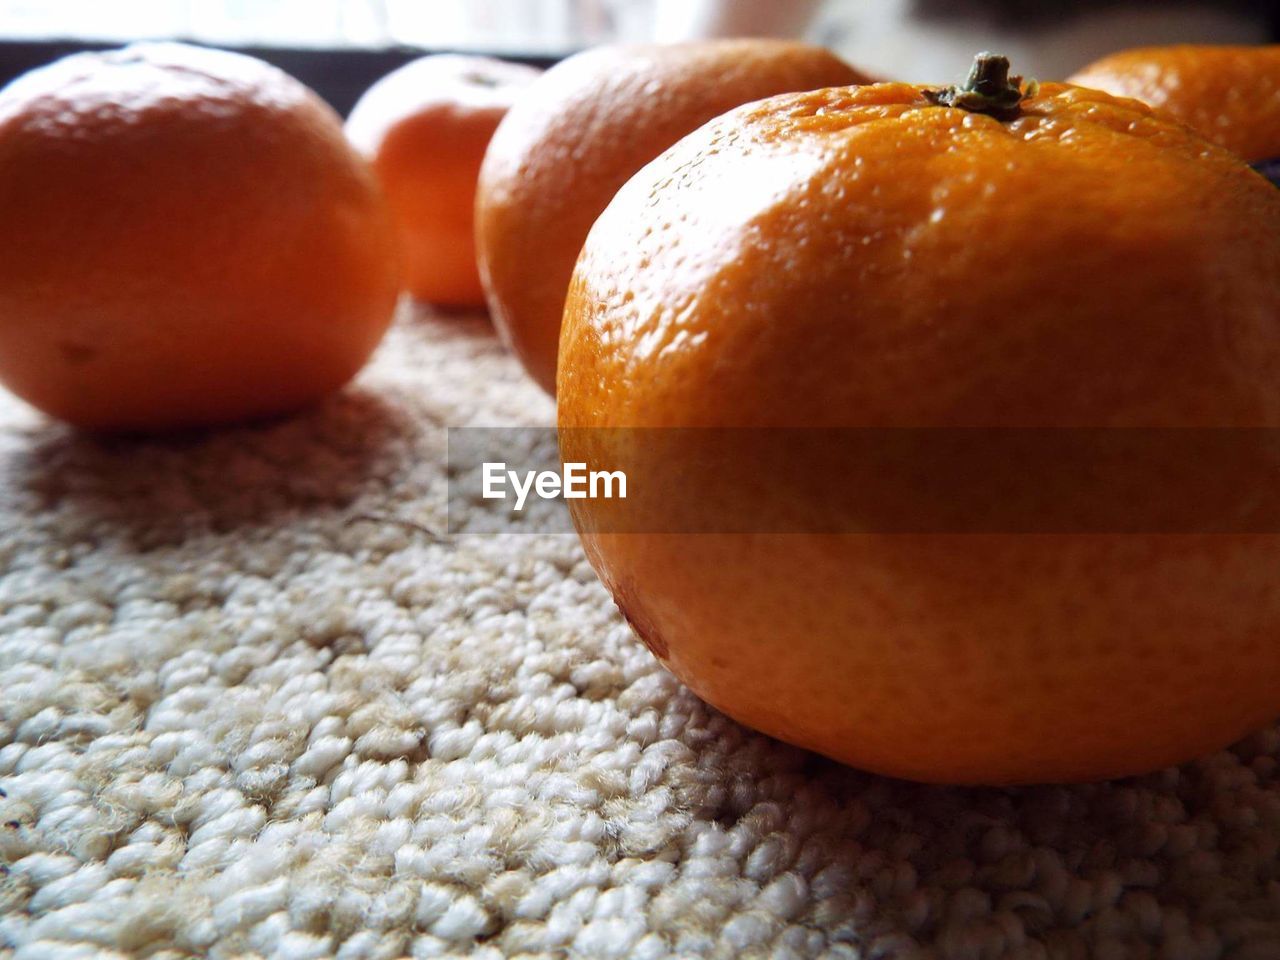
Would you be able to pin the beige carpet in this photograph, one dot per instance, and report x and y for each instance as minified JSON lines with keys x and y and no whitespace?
{"x":247,"y":707}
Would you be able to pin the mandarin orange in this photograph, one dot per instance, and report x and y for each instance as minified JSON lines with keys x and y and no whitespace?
{"x":1230,"y":94}
{"x":578,"y":134}
{"x":896,"y":257}
{"x":424,"y":129}
{"x":187,"y":239}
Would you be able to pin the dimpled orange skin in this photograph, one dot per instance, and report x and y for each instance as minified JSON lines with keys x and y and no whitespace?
{"x":187,"y":239}
{"x":424,"y":129}
{"x":861,"y":258}
{"x":1230,"y":94}
{"x":578,"y":134}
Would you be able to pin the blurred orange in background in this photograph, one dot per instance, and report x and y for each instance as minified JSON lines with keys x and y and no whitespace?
{"x":1229,"y":94}
{"x":424,"y":128}
{"x":187,"y":239}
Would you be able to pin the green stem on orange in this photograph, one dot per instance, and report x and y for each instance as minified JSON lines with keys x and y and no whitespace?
{"x":989,"y":89}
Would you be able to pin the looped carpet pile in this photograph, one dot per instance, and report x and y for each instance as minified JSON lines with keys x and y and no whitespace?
{"x":251,"y":705}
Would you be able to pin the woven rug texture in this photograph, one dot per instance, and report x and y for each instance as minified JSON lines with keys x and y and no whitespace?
{"x":251,"y":706}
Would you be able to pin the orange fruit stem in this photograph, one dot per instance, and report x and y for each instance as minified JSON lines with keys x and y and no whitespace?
{"x":988,"y":89}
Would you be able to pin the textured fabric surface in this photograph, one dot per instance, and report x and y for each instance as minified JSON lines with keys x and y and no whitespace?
{"x":249,"y":705}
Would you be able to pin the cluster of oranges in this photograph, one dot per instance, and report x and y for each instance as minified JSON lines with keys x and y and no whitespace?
{"x":192,"y":238}
{"x":729,"y":234}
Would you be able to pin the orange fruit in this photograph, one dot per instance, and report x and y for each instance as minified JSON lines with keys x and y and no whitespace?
{"x":891,"y":257}
{"x":1230,"y":94}
{"x":187,"y":239}
{"x":424,"y":129}
{"x":578,"y":134}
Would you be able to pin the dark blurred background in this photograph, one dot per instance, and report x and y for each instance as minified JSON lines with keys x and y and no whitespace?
{"x":339,"y":47}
